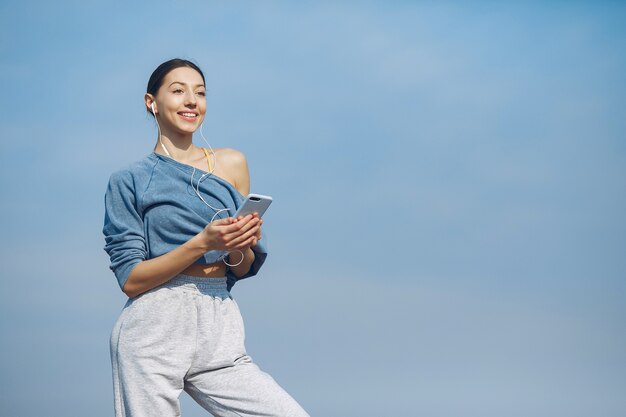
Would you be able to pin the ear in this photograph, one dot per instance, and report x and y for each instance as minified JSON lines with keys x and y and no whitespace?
{"x":149,"y":100}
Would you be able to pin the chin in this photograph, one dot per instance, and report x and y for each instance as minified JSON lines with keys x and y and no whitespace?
{"x":188,"y":129}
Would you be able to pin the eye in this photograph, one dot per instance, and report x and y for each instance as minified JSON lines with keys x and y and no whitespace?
{"x":201,"y":93}
{"x":178,"y":90}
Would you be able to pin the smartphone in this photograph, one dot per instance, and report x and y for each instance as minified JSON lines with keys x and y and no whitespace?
{"x":254,"y":203}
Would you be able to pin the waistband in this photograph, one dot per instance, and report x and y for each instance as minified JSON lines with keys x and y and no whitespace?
{"x":215,"y":287}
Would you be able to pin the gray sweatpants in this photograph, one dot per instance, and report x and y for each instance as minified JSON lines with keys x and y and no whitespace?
{"x":188,"y":334}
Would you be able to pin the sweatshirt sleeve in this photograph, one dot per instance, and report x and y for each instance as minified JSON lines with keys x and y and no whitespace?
{"x":123,"y":226}
{"x":260,"y":254}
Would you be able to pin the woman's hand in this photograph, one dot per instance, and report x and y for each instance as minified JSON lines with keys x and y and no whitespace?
{"x":257,"y":236}
{"x":232,"y":234}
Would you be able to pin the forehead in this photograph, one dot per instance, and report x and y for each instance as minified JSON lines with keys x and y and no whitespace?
{"x":183,"y":75}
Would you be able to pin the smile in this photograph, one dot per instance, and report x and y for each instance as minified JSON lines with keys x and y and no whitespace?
{"x":188,"y":116}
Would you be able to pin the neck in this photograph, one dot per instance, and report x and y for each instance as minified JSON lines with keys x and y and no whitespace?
{"x":180,"y":147}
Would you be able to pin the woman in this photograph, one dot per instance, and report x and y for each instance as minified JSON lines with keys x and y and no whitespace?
{"x":176,"y":252}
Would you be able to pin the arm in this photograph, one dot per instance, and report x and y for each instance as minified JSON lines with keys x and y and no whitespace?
{"x":125,"y":243}
{"x":224,"y":234}
{"x":242,"y":268}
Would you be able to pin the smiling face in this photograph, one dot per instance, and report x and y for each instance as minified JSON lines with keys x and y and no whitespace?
{"x":180,"y":102}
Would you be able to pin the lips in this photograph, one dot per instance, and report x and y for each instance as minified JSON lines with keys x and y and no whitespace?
{"x":188,"y":116}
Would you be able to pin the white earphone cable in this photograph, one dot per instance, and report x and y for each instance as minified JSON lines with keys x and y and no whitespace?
{"x":196,"y":189}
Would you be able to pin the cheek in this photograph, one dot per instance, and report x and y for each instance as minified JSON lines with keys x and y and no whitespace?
{"x":202,"y":112}
{"x":174,"y":103}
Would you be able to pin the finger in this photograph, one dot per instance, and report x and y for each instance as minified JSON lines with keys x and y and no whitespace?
{"x":245,"y":218}
{"x":233,"y":226}
{"x":259,"y":234}
{"x":242,"y":227}
{"x":239,"y":240}
{"x":249,"y":243}
{"x":242,"y":240}
{"x":255,"y":214}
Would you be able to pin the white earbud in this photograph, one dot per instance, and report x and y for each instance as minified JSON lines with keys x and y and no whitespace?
{"x":152,"y":107}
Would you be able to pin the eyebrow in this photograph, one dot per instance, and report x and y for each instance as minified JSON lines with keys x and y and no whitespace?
{"x":178,"y":82}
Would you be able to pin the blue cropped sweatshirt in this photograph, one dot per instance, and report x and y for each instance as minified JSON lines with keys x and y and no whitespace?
{"x":151,"y":208}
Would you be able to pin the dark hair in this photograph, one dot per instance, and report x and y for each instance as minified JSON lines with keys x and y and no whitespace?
{"x":156,"y":79}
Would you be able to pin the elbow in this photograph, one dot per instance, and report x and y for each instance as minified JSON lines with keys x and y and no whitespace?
{"x":129,"y":290}
{"x":130,"y":287}
{"x":130,"y":294}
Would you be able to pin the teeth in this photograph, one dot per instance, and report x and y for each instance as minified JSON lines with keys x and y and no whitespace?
{"x":188,"y":114}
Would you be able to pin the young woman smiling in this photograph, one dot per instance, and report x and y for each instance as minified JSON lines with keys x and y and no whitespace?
{"x":176,"y":251}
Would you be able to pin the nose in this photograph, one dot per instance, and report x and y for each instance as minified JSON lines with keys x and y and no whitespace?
{"x":190,"y":99}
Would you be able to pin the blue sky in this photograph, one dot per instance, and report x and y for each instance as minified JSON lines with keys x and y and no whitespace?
{"x":447,"y":236}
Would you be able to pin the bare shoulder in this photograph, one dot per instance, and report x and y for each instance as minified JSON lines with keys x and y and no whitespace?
{"x":232,"y":165}
{"x":231,"y":157}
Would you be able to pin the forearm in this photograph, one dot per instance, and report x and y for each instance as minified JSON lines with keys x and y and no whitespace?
{"x":245,"y":264}
{"x":156,"y":271}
